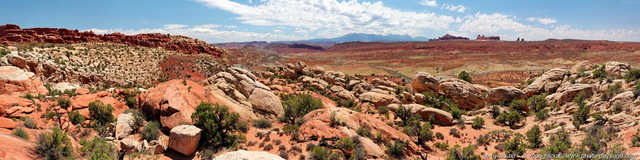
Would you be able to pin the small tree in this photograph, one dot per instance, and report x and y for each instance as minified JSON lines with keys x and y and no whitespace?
{"x":298,"y":106}
{"x":404,"y":113}
{"x":425,"y":133}
{"x":151,"y":131}
{"x":466,"y":153}
{"x":99,"y":148}
{"x":465,"y":76}
{"x":217,"y":124}
{"x":54,"y":145}
{"x":534,"y":137}
{"x":100,"y":113}
{"x":537,"y":102}
{"x":478,"y":122}
{"x":559,"y":143}
{"x":396,"y":149}
{"x":75,"y":117}
{"x":514,"y":146}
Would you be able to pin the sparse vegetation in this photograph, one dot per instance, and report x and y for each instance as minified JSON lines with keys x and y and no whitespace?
{"x":514,"y":146}
{"x":100,"y":113}
{"x":478,"y":123}
{"x":75,"y":117}
{"x":54,"y":145}
{"x":534,"y":137}
{"x":580,"y":116}
{"x":151,"y":131}
{"x":29,"y":123}
{"x":21,"y":133}
{"x":465,"y":76}
{"x":396,"y":149}
{"x":262,"y":123}
{"x":466,"y":153}
{"x":297,"y":106}
{"x":217,"y":125}
{"x":99,"y":148}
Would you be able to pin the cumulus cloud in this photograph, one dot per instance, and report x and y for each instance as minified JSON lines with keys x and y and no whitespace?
{"x":455,"y":8}
{"x":208,"y":33}
{"x":430,"y":3}
{"x":174,"y":26}
{"x":542,"y":20}
{"x":330,"y":18}
{"x":508,"y":28}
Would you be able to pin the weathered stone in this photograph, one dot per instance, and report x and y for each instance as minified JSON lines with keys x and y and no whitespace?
{"x":440,"y":117}
{"x":124,"y":125}
{"x":424,"y":82}
{"x":504,"y":94}
{"x":185,"y":139}
{"x":246,"y":155}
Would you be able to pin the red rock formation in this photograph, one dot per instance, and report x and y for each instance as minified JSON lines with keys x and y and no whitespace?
{"x":11,"y":33}
{"x":449,"y":37}
{"x":482,"y":37}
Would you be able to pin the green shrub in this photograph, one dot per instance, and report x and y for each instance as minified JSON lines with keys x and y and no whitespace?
{"x":442,"y":146}
{"x":99,"y":148}
{"x":534,"y":137}
{"x":465,"y":76}
{"x":21,"y":133}
{"x":100,"y":113}
{"x":478,"y":122}
{"x":438,"y":101}
{"x":50,"y":114}
{"x":537,"y":102}
{"x":404,"y":113}
{"x":262,"y":123}
{"x":542,"y":114}
{"x":635,"y":141}
{"x":151,"y":131}
{"x":363,"y":132}
{"x":559,"y":143}
{"x":612,"y":91}
{"x":514,"y":146}
{"x":218,"y":125}
{"x":633,"y":75}
{"x":580,"y":117}
{"x":518,"y":105}
{"x":636,"y":89}
{"x":325,"y":154}
{"x":298,"y":106}
{"x":29,"y":123}
{"x":54,"y":145}
{"x":75,"y":117}
{"x":396,"y":149}
{"x":456,"y":112}
{"x":28,"y":96}
{"x":425,"y":133}
{"x":64,"y":103}
{"x":511,"y":119}
{"x":599,"y":72}
{"x":466,"y":153}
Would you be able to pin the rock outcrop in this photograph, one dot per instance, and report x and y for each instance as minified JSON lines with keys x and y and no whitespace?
{"x":12,"y":34}
{"x":504,"y":94}
{"x":424,"y":82}
{"x":617,"y":68}
{"x":440,"y":117}
{"x":378,"y":99}
{"x":243,"y":154}
{"x":462,"y":93}
{"x":124,"y":125}
{"x":548,"y":82}
{"x":14,"y":80}
{"x":185,"y":139}
{"x":173,"y":101}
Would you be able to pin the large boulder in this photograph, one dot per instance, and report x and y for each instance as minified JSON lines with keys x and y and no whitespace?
{"x":504,"y":94}
{"x":342,"y":93}
{"x":318,"y":124}
{"x":14,"y":107}
{"x":245,"y":155}
{"x":173,"y":102}
{"x":568,"y":93}
{"x":462,"y":93}
{"x":124,"y":125}
{"x":14,"y":80}
{"x":582,"y":67}
{"x":266,"y":101}
{"x":17,"y":148}
{"x":548,"y":82}
{"x":625,"y":99}
{"x":440,"y":117}
{"x":184,"y":139}
{"x":617,"y":68}
{"x":7,"y":123}
{"x":378,"y":99}
{"x":423,"y":82}
{"x":81,"y":102}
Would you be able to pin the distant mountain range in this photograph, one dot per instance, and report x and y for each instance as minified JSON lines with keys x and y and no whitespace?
{"x":328,"y":42}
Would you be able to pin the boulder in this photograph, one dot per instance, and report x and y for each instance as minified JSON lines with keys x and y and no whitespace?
{"x":65,"y":86}
{"x":617,"y":68}
{"x":625,"y":99}
{"x":567,"y":94}
{"x":440,"y":117}
{"x":14,"y":80}
{"x":173,"y":101}
{"x":16,"y":148}
{"x":378,"y":99}
{"x":266,"y":101}
{"x":185,"y":139}
{"x":245,"y":155}
{"x":424,"y":82}
{"x":130,"y":145}
{"x":504,"y":94}
{"x":13,"y":107}
{"x":385,"y":82}
{"x":342,"y":93}
{"x":462,"y":93}
{"x":7,"y":123}
{"x":82,"y":101}
{"x":124,"y":125}
{"x":582,"y":67}
{"x":548,"y":82}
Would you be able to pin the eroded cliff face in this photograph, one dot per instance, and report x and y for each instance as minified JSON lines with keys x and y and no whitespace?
{"x":11,"y":33}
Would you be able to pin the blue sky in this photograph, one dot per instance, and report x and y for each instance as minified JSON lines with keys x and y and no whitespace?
{"x":272,"y":20}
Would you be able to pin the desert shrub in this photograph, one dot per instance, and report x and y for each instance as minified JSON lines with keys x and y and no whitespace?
{"x":600,"y":119}
{"x":580,"y":117}
{"x":404,"y":113}
{"x":138,"y":118}
{"x":29,"y":123}
{"x":455,"y":112}
{"x":310,"y":146}
{"x":363,"y":132}
{"x":347,"y":146}
{"x":537,"y":102}
{"x":495,"y":112}
{"x":50,"y":114}
{"x":28,"y":96}
{"x":514,"y":146}
{"x":635,"y":141}
{"x":633,"y":75}
{"x":268,"y":147}
{"x":151,"y":131}
{"x":277,"y":141}
{"x":438,"y":100}
{"x":64,"y":103}
{"x":558,"y":143}
{"x":478,"y":122}
{"x":439,"y":135}
{"x":511,"y":119}
{"x":636,"y":89}
{"x":298,"y":106}
{"x":482,"y":140}
{"x":454,"y":132}
{"x":542,"y":114}
{"x":518,"y":105}
{"x":262,"y":123}
{"x":75,"y":117}
{"x":283,"y":154}
{"x":466,"y":153}
{"x":612,"y":90}
{"x":99,"y":148}
{"x":54,"y":145}
{"x":21,"y":133}
{"x":325,"y":154}
{"x":442,"y":146}
{"x":383,"y":110}
{"x":100,"y":113}
{"x":347,"y":103}
{"x":534,"y":137}
{"x":465,"y":76}
{"x":425,"y":133}
{"x":217,"y":124}
{"x":599,"y":72}
{"x":396,"y":149}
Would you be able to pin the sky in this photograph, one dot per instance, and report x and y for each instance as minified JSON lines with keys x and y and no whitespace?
{"x":217,"y":21}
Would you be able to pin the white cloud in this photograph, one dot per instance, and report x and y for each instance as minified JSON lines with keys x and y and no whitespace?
{"x":277,"y":31}
{"x":207,"y":33}
{"x":509,"y":29}
{"x":430,"y":3}
{"x":455,"y":8}
{"x":331,"y":18}
{"x":174,"y":26}
{"x":542,"y":20}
